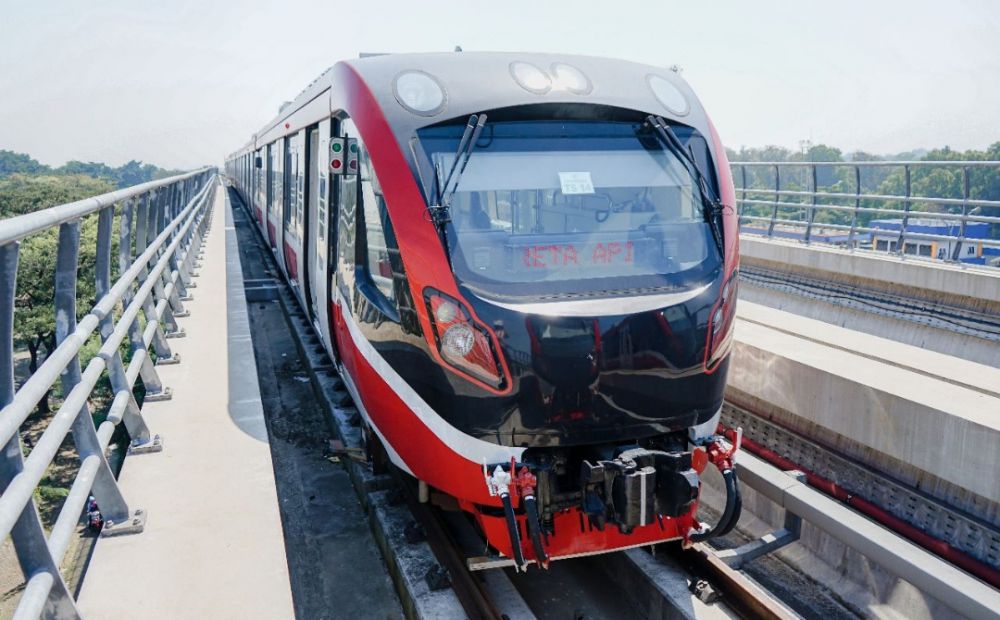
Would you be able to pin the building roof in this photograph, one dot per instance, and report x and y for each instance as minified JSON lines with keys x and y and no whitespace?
{"x":934,"y":226}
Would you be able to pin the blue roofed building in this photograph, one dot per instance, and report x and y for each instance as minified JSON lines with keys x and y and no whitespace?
{"x":935,"y":238}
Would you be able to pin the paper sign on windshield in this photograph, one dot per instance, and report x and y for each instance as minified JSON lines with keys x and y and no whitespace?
{"x":576,"y":183}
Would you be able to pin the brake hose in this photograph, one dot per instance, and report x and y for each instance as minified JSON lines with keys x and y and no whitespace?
{"x":731,"y":514}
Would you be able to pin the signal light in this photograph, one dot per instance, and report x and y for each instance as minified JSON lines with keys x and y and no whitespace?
{"x":465,"y":346}
{"x":352,"y":156}
{"x":337,"y":155}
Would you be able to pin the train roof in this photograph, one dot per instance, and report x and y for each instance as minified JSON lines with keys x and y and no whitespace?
{"x":478,"y":81}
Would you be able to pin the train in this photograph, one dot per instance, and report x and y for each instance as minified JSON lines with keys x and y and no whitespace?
{"x":524,"y":267}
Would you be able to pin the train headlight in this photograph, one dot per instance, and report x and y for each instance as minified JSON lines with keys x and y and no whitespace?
{"x":669,"y":95}
{"x":458,"y":340}
{"x":419,"y":93}
{"x":465,"y":346}
{"x":717,"y":320}
{"x":530,"y":78}
{"x":445,"y":313}
{"x":570,"y":78}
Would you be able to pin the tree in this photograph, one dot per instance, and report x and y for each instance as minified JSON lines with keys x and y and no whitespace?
{"x":34,"y":318}
{"x":11,"y":163}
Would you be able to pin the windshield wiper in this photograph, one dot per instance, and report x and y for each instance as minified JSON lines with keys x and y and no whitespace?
{"x":712,"y":206}
{"x":446,"y":191}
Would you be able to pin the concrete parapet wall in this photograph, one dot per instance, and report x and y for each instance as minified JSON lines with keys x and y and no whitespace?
{"x":939,"y":434}
{"x":961,"y":285}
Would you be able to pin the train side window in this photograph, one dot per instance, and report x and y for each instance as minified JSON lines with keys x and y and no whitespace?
{"x":379,"y":237}
{"x":346,"y":220}
{"x":286,"y":203}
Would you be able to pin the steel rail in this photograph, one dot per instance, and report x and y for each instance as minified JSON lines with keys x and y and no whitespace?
{"x":152,"y":281}
{"x":811,"y":207}
{"x":885,"y":197}
{"x":469,"y":590}
{"x":740,"y":592}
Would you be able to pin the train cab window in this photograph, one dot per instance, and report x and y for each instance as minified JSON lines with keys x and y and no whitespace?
{"x":379,"y":240}
{"x":574,"y":207}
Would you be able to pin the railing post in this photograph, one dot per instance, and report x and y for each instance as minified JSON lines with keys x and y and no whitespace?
{"x":45,"y":591}
{"x":159,"y":294}
{"x":906,"y":212}
{"x":743,"y":201}
{"x":105,"y":487}
{"x":150,"y":378}
{"x":957,"y":254}
{"x":812,"y":210}
{"x":137,"y":429}
{"x":777,"y":199}
{"x":857,"y":205}
{"x":142,"y":230}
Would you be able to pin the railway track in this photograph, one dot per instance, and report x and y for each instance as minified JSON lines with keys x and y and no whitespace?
{"x":932,"y":313}
{"x":972,"y":537}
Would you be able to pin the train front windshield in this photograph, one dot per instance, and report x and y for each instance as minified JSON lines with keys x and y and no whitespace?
{"x":561,"y":209}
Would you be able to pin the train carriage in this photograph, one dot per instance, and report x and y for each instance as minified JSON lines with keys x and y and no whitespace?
{"x":525,"y":268}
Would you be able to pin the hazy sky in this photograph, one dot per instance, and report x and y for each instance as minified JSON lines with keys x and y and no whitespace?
{"x":182,"y":82}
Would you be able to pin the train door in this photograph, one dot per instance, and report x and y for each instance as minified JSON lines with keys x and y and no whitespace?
{"x":291,"y":221}
{"x":319,"y":232}
{"x":273,"y":194}
{"x":342,"y":284}
{"x":260,"y":191}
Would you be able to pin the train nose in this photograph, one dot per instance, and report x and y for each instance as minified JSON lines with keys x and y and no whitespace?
{"x":565,"y":352}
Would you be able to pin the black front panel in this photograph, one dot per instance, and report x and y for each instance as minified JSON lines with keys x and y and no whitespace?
{"x":573,"y":380}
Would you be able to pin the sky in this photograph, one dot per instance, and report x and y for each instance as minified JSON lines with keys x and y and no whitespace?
{"x":182,"y":83}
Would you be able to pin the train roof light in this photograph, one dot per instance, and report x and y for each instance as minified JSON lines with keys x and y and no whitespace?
{"x":530,"y":78}
{"x":669,"y":95}
{"x":419,"y":93}
{"x":570,"y":78}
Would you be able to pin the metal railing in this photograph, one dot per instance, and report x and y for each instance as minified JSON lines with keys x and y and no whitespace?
{"x":829,"y":203}
{"x":159,"y":225}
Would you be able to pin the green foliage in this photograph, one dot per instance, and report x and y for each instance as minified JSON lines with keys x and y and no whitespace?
{"x":34,"y":316}
{"x":12,"y":163}
{"x":132,"y":173}
{"x":21,"y":193}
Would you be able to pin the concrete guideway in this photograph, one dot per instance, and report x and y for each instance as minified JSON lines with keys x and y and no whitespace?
{"x":213,"y":544}
{"x":947,"y":280}
{"x":938,"y":366}
{"x":885,"y":398}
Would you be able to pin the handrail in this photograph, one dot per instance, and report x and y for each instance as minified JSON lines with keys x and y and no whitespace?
{"x":770,"y":200}
{"x":164,"y":222}
{"x":21,"y":226}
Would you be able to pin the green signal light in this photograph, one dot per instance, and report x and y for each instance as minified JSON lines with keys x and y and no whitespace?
{"x":337,"y":147}
{"x":354,"y":148}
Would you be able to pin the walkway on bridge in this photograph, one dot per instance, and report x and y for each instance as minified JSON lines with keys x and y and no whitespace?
{"x":213,"y":545}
